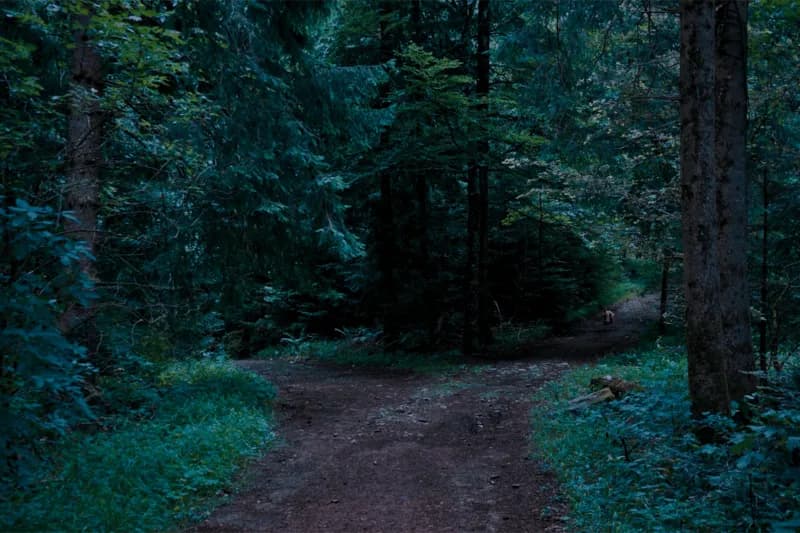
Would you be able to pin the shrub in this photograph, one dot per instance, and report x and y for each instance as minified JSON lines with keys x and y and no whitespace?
{"x":151,"y":475}
{"x":364,"y":352}
{"x":635,"y":464}
{"x":41,"y":371}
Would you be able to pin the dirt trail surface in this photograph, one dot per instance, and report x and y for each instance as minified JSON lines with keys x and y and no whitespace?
{"x":385,"y":452}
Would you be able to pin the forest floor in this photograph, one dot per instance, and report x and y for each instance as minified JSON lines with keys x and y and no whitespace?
{"x":386,"y":451}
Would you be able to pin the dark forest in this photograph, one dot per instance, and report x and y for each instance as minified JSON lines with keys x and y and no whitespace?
{"x":399,"y":265}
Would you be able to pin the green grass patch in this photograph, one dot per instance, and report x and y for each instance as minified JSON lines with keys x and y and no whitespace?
{"x":152,"y":474}
{"x":615,"y":292}
{"x":363,"y":355}
{"x":631,"y":278}
{"x":509,"y":336}
{"x":635,"y":465}
{"x":644,"y":273}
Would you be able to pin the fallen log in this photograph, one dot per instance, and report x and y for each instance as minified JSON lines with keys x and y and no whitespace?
{"x":618,"y":386}
{"x":582,"y":402}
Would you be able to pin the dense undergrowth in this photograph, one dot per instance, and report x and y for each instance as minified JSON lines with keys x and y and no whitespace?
{"x":363,"y":347}
{"x":193,"y":429}
{"x":636,"y":465}
{"x":366,"y":353}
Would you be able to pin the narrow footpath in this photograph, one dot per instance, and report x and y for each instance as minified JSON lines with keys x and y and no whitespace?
{"x":379,"y":451}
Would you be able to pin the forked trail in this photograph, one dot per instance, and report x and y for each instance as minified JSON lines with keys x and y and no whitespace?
{"x":388,"y":452}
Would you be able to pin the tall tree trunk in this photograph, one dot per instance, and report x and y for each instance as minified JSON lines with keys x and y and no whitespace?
{"x":471,"y":284}
{"x":662,"y":309}
{"x":482,"y":91}
{"x":386,"y":259}
{"x":774,"y":338}
{"x":540,"y":242}
{"x":429,"y":307}
{"x":762,"y":323}
{"x":416,"y":20}
{"x":429,"y":303}
{"x":708,"y":386}
{"x":471,"y":274}
{"x":731,"y":155}
{"x":385,"y":221}
{"x":84,"y":159}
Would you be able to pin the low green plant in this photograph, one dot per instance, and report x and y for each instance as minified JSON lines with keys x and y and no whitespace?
{"x":358,"y":354}
{"x":354,"y":355}
{"x":635,"y":464}
{"x":613,"y":292}
{"x":509,"y":336}
{"x":42,"y":372}
{"x":151,"y":474}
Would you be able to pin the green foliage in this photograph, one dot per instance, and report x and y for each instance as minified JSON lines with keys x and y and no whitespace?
{"x":41,"y":371}
{"x":428,"y":107}
{"x":643,"y":273}
{"x":361,"y":351}
{"x":774,"y":138}
{"x":243,"y":144}
{"x":509,"y":335}
{"x":155,"y":473}
{"x":635,"y":464}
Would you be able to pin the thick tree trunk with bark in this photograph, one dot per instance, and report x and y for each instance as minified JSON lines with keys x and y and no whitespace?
{"x":708,"y":375}
{"x":84,"y":160}
{"x":482,"y":91}
{"x":731,"y":155}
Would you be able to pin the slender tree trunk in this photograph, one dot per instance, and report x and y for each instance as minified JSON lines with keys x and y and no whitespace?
{"x":762,"y":323}
{"x":84,"y":159}
{"x":471,"y":282}
{"x":387,"y":258}
{"x":7,"y":382}
{"x":385,"y":223}
{"x":774,"y":339}
{"x":471,"y":274}
{"x":731,"y":156}
{"x":482,"y":91}
{"x":540,"y":244}
{"x":430,"y":304}
{"x":662,"y":309}
{"x":484,"y":297}
{"x":416,"y":20}
{"x":429,"y":307}
{"x":708,"y":386}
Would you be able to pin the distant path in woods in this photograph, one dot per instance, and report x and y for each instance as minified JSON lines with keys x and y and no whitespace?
{"x":380,"y":451}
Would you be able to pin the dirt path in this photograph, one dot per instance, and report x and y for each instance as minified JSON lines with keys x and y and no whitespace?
{"x":382,"y":452}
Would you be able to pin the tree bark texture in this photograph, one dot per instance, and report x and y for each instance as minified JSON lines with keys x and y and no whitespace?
{"x":731,"y":156}
{"x":84,"y":161}
{"x":708,"y":385}
{"x":482,"y":91}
